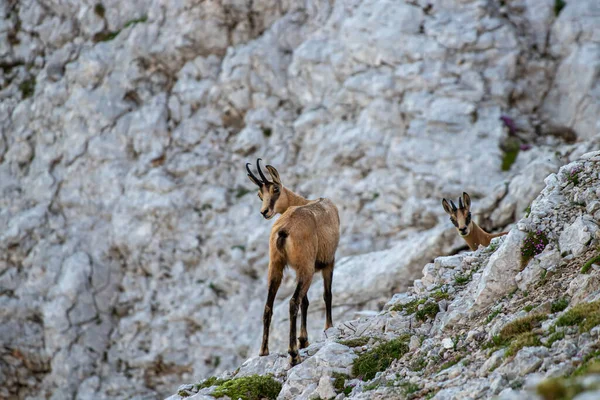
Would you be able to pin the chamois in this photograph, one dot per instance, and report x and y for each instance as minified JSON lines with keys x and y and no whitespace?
{"x":305,"y":237}
{"x":469,"y":230}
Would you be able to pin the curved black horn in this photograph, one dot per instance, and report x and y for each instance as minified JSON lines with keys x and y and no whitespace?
{"x":264,"y":178}
{"x":251,"y":175}
{"x":453,"y":205}
{"x":460,"y":203}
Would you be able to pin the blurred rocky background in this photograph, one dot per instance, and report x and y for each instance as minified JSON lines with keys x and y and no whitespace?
{"x":133,"y":252}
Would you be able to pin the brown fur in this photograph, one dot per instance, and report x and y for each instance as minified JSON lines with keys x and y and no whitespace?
{"x":467,"y":229}
{"x":305,"y":237}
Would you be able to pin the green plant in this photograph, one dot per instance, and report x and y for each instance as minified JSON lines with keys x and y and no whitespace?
{"x":254,"y":387}
{"x":588,"y":265}
{"x":429,"y":310}
{"x":410,"y":307}
{"x":212,"y":381}
{"x":440,"y":294}
{"x":520,"y":326}
{"x":27,"y":87}
{"x":555,"y":337}
{"x":183,"y":393}
{"x":523,"y":340}
{"x":418,"y":364}
{"x":410,"y":388}
{"x":527,"y":211}
{"x":510,"y":153}
{"x":99,"y":10}
{"x":339,"y":382}
{"x":357,"y":342}
{"x":534,"y":244}
{"x":134,"y":21}
{"x":267,"y":131}
{"x":461,"y":279}
{"x":589,"y":364}
{"x":528,"y":307}
{"x":451,"y":362}
{"x":241,"y":192}
{"x":558,"y":6}
{"x":239,"y":246}
{"x":379,"y":358}
{"x":493,"y":315}
{"x":559,"y":305}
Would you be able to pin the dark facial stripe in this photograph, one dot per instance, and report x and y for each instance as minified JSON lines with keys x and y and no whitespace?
{"x":468,"y":221}
{"x":274,"y":199}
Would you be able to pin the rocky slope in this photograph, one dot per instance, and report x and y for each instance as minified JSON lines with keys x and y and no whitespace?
{"x":519,"y":319}
{"x":133,"y":252}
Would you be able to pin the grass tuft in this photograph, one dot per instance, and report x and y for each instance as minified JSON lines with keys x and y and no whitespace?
{"x":559,"y":305}
{"x":379,"y":359}
{"x":429,"y":310}
{"x":357,"y":342}
{"x":588,"y":265}
{"x":523,"y":340}
{"x":410,"y":307}
{"x":586,"y":315}
{"x":27,"y":88}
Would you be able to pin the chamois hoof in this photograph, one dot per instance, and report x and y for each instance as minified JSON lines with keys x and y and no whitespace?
{"x":294,"y":358}
{"x":303,"y":343}
{"x":263,"y":353}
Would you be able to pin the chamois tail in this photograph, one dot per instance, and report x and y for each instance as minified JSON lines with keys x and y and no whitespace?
{"x":281,"y":236}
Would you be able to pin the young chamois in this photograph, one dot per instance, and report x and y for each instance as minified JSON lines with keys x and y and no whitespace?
{"x":305,"y":237}
{"x":469,"y":230}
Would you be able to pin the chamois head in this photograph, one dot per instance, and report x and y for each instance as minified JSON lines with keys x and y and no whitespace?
{"x":269,"y":192}
{"x":461,"y":216}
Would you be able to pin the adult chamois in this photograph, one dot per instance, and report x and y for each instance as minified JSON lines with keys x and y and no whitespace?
{"x":305,"y":237}
{"x":469,"y":230}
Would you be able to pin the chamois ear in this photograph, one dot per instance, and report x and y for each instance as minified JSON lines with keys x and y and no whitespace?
{"x":274,"y":174}
{"x":447,"y":207}
{"x":466,"y":200}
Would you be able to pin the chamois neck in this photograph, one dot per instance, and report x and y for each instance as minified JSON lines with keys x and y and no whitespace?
{"x":295,"y":199}
{"x":475,"y":236}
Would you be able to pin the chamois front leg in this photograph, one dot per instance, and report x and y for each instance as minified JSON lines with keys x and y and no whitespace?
{"x":299,"y":293}
{"x":327,"y":281}
{"x":303,"y":338}
{"x":275,"y":275}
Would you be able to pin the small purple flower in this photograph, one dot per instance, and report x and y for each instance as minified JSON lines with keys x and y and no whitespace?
{"x":525,"y":147}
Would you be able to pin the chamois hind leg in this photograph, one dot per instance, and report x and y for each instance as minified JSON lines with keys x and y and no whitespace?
{"x":327,"y":280}
{"x":276,"y":266}
{"x":303,"y":338}
{"x":304,"y":281}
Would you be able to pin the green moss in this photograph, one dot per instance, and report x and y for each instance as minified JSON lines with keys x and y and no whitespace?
{"x":588,"y":265}
{"x":586,"y":315}
{"x":429,"y":310}
{"x":533,"y":244}
{"x":254,"y":387}
{"x":27,"y":88}
{"x":553,"y":389}
{"x":410,"y":307}
{"x":379,"y":359}
{"x":527,"y":211}
{"x":555,"y":337}
{"x":183,"y":393}
{"x":357,"y":342}
{"x":212,"y":381}
{"x":523,"y":340}
{"x":559,"y":305}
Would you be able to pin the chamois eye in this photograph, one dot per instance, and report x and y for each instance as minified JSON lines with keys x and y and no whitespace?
{"x":275,"y":189}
